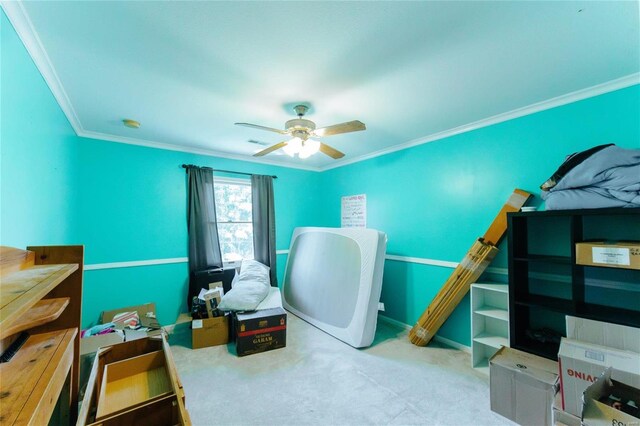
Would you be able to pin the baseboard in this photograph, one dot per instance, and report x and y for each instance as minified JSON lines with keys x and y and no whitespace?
{"x":442,"y":340}
{"x":394,"y":322}
{"x":453,"y":344}
{"x":439,"y":339}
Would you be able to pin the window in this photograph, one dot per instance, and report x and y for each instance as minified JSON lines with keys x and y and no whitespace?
{"x":233,"y":211}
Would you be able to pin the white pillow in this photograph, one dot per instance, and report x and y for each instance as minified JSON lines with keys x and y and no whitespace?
{"x":245,"y":296}
{"x":254,"y":270}
{"x":251,"y":288}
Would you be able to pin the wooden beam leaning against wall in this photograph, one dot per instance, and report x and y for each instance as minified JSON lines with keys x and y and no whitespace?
{"x":469,"y":270}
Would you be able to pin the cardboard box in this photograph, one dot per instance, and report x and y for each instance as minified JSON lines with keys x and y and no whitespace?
{"x":562,"y":418}
{"x":209,"y":332}
{"x":623,"y":254}
{"x":260,"y":331}
{"x":583,"y":361}
{"x":615,"y":336}
{"x":90,"y":345}
{"x":609,"y":402}
{"x":522,"y":386}
{"x":146,"y":312}
{"x":183,"y":324}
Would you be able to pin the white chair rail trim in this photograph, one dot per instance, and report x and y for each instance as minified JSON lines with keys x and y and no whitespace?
{"x":393,"y":257}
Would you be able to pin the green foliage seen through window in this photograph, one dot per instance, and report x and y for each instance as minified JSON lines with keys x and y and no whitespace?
{"x":235,"y":229}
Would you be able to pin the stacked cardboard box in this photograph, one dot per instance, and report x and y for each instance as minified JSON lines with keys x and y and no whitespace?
{"x":522,"y":386}
{"x":591,"y":347}
{"x":609,"y":402}
{"x":562,"y":418}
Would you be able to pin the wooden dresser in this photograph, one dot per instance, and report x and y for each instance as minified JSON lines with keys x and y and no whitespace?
{"x":40,"y":305}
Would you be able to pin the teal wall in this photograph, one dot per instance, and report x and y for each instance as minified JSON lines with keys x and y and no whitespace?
{"x":127,"y":203}
{"x":435,"y":199}
{"x":123,"y":202}
{"x":37,"y":151}
{"x":132,"y":206}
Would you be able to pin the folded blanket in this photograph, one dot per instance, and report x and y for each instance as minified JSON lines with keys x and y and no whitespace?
{"x":605,"y":176}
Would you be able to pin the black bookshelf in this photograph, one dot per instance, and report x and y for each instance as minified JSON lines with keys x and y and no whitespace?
{"x":546,"y":284}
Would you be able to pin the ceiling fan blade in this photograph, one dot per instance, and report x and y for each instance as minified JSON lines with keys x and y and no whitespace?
{"x":336,"y":129}
{"x":269,"y":129}
{"x":271,"y":149}
{"x":331,"y":152}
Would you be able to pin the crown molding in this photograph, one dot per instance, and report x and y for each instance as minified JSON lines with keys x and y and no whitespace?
{"x":191,"y":150}
{"x":19,"y":18}
{"x":578,"y":95}
{"x":26,"y":32}
{"x":21,"y":22}
{"x":561,"y":100}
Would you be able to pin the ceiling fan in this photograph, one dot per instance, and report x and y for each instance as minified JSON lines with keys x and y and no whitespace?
{"x":302,"y":131}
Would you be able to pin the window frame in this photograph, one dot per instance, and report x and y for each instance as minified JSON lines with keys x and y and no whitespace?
{"x":231,"y":181}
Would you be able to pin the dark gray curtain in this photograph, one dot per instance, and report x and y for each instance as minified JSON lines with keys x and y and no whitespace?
{"x":204,"y":246}
{"x":264,"y":223}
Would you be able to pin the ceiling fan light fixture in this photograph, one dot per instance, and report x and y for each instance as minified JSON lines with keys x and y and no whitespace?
{"x":300,"y":129}
{"x":309,"y":147}
{"x":293,"y":147}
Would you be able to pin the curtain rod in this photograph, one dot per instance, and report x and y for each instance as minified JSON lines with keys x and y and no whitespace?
{"x":184,"y":166}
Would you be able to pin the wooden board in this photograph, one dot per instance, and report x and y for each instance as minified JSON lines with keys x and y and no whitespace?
{"x":452,"y":292}
{"x":13,"y":260}
{"x":177,"y":384}
{"x":23,"y":289}
{"x":34,"y":377}
{"x":160,"y":412}
{"x":44,"y":311}
{"x":93,"y":386}
{"x":469,"y":270}
{"x":71,"y":288}
{"x":498,"y":227}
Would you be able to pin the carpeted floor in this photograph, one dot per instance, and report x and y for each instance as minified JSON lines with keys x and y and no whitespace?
{"x":317,"y":379}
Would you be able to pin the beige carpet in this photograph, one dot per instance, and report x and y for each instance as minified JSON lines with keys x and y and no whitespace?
{"x":317,"y":379}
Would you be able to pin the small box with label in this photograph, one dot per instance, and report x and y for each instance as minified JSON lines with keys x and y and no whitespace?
{"x":621,"y":254}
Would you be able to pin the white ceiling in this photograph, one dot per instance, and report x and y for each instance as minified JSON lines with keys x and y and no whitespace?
{"x":411,"y":71}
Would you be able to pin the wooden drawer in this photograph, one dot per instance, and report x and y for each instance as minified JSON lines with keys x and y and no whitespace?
{"x":134,"y":383}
